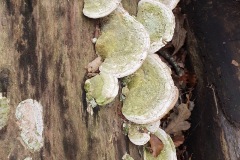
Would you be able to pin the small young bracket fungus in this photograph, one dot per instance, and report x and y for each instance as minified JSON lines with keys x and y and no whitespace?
{"x":137,"y":135}
{"x":30,"y":121}
{"x":168,"y":152}
{"x":169,"y":3}
{"x":4,"y":111}
{"x":123,"y":44}
{"x":102,"y":89}
{"x":93,"y":66}
{"x":152,"y":92}
{"x":158,"y":20}
{"x":99,"y":8}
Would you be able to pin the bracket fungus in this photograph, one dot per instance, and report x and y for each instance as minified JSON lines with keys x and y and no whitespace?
{"x":4,"y":111}
{"x":137,"y":135}
{"x":158,"y":20}
{"x":30,"y":121}
{"x":152,"y":93}
{"x":168,"y":152}
{"x":170,"y":3}
{"x":123,"y":44}
{"x":140,"y":134}
{"x":99,"y":8}
{"x":102,"y":89}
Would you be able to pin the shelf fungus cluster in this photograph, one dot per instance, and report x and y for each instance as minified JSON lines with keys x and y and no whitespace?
{"x":123,"y":44}
{"x":30,"y":121}
{"x":126,"y":47}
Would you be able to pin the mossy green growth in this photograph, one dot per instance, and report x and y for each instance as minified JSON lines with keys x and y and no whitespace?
{"x":144,"y":89}
{"x":102,"y":89}
{"x":93,"y":87}
{"x":123,"y":44}
{"x":118,"y":38}
{"x":4,"y":111}
{"x":151,"y":92}
{"x":158,"y":20}
{"x":168,"y":152}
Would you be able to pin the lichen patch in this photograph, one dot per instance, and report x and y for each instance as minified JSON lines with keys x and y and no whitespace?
{"x":30,"y":121}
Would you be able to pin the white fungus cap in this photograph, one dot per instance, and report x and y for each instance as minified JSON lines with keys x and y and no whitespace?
{"x":30,"y":121}
{"x":168,"y":152}
{"x":153,"y":127}
{"x":103,"y":88}
{"x":158,"y":20}
{"x":136,"y":136}
{"x":123,"y":44}
{"x":99,"y":8}
{"x":152,"y":93}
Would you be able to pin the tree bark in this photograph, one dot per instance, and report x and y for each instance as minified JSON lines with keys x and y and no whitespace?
{"x":213,"y":43}
{"x":45,"y":46}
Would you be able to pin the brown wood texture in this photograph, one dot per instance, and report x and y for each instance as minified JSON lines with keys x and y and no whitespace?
{"x":213,"y":41}
{"x":45,"y":45}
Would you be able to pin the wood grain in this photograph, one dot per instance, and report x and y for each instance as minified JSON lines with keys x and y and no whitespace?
{"x":46,"y":45}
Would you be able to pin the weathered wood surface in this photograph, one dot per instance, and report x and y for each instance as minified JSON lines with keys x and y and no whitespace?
{"x":213,"y":42}
{"x":46,"y":45}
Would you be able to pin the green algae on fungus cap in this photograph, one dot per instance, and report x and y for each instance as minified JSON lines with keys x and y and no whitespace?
{"x":30,"y":121}
{"x":102,"y":88}
{"x":4,"y":111}
{"x":123,"y":44}
{"x":158,"y":20}
{"x":152,"y":93}
{"x":168,"y":152}
{"x":136,"y":135}
{"x":99,"y":8}
{"x":169,"y":3}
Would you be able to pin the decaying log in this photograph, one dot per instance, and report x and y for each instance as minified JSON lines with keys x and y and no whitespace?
{"x":45,"y":45}
{"x":214,"y":47}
